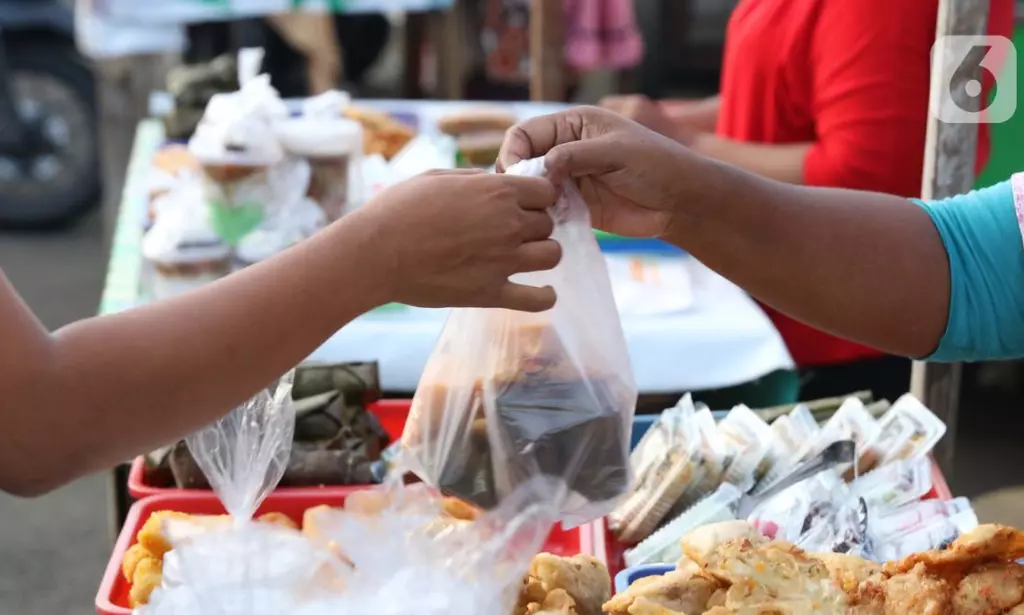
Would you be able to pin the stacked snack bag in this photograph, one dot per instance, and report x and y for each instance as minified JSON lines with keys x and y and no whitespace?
{"x":873,"y":507}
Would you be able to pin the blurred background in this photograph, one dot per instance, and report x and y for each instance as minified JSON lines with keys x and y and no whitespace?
{"x":69,"y":124}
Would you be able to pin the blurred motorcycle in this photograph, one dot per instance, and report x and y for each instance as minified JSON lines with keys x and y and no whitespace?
{"x":49,"y":142}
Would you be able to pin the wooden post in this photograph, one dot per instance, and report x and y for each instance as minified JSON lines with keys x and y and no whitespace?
{"x":547,"y":61}
{"x":948,"y":169}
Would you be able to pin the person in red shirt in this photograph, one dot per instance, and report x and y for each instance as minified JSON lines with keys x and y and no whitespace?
{"x":822,"y":93}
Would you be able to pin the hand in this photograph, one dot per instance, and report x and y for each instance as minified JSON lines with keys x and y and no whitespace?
{"x":650,"y":114}
{"x":453,"y":238}
{"x":633,"y":179}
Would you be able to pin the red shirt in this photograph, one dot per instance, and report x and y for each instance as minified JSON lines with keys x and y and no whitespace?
{"x":850,"y":76}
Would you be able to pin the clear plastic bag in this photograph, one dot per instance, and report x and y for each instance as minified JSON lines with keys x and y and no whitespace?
{"x":508,"y":396}
{"x":236,"y":565}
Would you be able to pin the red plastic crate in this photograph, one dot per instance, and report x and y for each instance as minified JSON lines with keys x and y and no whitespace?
{"x":612,"y":550}
{"x":391,"y":413}
{"x":112,"y":597}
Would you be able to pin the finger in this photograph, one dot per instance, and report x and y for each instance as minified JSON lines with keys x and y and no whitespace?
{"x":591,"y":157}
{"x":455,"y":172}
{"x":538,"y":256}
{"x":536,"y":193}
{"x":613,"y":103}
{"x":526,"y":298}
{"x":537,"y":225}
{"x":536,"y":136}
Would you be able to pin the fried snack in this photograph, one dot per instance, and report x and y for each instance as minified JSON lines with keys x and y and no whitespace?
{"x":147,"y":576}
{"x":848,"y":571}
{"x":152,"y":536}
{"x":564,"y":585}
{"x":984,"y":544}
{"x":382,"y":134}
{"x":135,"y":554}
{"x":675,"y":591}
{"x":476,"y":121}
{"x":584,"y":577}
{"x":457,"y":509}
{"x":175,"y":159}
{"x":479,"y":150}
{"x":278,"y":519}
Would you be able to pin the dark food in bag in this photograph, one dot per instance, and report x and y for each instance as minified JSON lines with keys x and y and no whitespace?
{"x":508,"y":397}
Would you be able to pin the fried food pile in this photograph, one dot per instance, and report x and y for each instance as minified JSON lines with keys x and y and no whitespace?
{"x":382,"y":134}
{"x":576,"y":585}
{"x":143,"y":562}
{"x":730,"y":568}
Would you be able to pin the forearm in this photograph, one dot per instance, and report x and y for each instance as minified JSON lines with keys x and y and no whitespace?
{"x":697,"y":115}
{"x":866,"y":266}
{"x":781,"y":162}
{"x":115,"y":386}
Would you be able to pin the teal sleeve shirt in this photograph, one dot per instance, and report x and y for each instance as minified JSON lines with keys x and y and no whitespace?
{"x":986,"y":264}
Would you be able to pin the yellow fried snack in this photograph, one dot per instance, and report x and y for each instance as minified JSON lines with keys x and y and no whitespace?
{"x":584,"y":577}
{"x":152,"y":536}
{"x":135,"y":554}
{"x":148,"y":576}
{"x":278,"y":519}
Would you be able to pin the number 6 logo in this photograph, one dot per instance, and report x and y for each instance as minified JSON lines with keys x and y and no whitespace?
{"x":960,"y":64}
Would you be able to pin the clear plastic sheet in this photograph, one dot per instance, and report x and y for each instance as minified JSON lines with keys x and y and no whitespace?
{"x":509,"y":396}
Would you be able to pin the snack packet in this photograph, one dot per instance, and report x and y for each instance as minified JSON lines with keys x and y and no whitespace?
{"x":934,"y":533}
{"x":665,"y":462}
{"x":794,"y":434}
{"x":747,"y":438}
{"x":663,"y":546}
{"x":508,"y":396}
{"x":894,"y":485}
{"x":851,"y":422}
{"x":907,"y":431}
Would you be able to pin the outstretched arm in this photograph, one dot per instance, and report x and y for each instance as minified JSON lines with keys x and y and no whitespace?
{"x":98,"y":391}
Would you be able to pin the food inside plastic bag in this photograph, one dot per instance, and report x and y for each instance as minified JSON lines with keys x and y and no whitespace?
{"x":508,"y":396}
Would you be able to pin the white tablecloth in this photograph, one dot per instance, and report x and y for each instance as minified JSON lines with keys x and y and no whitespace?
{"x":721,"y":338}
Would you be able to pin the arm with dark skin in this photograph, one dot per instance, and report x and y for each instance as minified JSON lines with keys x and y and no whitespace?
{"x":866,"y":266}
{"x":101,"y":390}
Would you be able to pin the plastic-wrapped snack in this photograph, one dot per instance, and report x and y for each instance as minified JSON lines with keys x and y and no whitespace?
{"x":243,"y":455}
{"x":911,"y":517}
{"x":794,"y":434}
{"x":332,"y":144}
{"x":507,"y":396}
{"x":665,"y":463}
{"x":907,"y":431}
{"x":748,"y":439}
{"x":933,"y":533}
{"x":895,"y":484}
{"x":840,"y":525}
{"x":663,"y":546}
{"x":240,"y":155}
{"x":851,"y":422}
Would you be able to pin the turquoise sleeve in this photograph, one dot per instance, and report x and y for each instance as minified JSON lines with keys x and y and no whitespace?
{"x":986,"y":266}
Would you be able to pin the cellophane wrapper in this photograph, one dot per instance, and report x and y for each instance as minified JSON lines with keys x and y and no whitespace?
{"x":509,"y":396}
{"x":389,"y":550}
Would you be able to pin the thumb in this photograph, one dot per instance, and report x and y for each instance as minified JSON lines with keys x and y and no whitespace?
{"x":577,"y":158}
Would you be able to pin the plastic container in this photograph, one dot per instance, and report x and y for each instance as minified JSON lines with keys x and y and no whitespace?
{"x":626,"y":577}
{"x":112,"y":597}
{"x":612,"y":550}
{"x":391,"y":413}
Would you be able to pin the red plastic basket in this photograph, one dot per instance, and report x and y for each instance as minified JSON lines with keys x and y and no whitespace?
{"x":112,"y":597}
{"x":612,"y":550}
{"x":391,"y":413}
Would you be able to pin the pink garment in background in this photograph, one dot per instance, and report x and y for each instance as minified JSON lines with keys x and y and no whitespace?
{"x":602,"y":34}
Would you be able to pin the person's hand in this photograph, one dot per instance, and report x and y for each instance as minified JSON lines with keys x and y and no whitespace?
{"x":648,"y":113}
{"x":453,"y":238}
{"x":633,"y":179}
